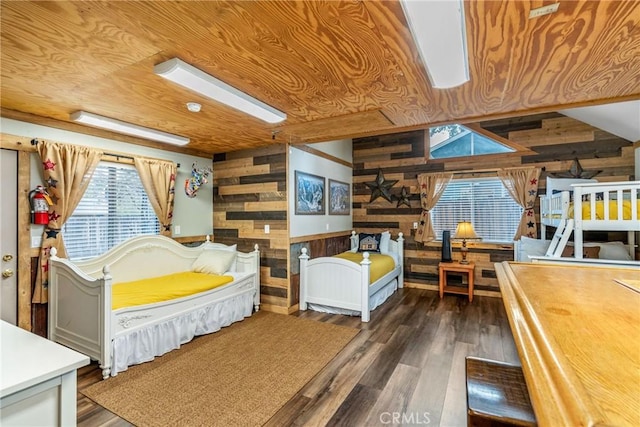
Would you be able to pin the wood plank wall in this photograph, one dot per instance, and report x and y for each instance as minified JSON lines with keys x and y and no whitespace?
{"x":556,"y":140}
{"x":249,"y":192}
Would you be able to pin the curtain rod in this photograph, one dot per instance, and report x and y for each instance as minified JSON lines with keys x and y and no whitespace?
{"x":493,"y":170}
{"x":118,"y":156}
{"x":35,"y":141}
{"x":123,"y":156}
{"x":486,"y":171}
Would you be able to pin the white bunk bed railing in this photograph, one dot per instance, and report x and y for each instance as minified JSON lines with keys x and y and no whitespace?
{"x":554,"y":207}
{"x":590,"y":206}
{"x":607,"y":195}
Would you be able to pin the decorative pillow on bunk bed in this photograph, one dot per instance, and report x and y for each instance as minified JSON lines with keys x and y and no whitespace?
{"x":214,"y":261}
{"x":587,"y":252}
{"x":532,"y":247}
{"x":614,"y":250}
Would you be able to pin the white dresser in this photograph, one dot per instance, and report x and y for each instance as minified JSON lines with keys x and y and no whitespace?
{"x":37,"y":380}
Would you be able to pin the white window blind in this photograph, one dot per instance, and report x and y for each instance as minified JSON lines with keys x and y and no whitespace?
{"x":485,"y":202}
{"x":114,"y":209}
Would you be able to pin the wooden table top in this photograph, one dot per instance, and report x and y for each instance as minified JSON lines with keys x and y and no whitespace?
{"x":577,"y":330}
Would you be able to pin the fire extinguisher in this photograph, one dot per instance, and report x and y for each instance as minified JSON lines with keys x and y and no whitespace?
{"x":40,"y":203}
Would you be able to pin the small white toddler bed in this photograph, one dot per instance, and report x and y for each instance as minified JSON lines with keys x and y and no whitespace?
{"x":147,"y":296}
{"x":354,"y":282}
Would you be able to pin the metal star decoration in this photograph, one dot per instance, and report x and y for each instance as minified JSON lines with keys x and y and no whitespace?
{"x":380,"y":187}
{"x":576,"y":171}
{"x":403,"y":198}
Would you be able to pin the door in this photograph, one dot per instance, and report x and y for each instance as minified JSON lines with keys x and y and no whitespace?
{"x":9,"y":236}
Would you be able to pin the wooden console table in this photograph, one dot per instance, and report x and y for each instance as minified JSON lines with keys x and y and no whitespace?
{"x":468,"y":269}
{"x":577,"y":331}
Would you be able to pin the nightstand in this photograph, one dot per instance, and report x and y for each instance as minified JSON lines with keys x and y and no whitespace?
{"x":468,"y":269}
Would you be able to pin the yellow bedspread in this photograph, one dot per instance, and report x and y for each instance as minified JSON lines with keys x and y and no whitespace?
{"x":613,"y":209}
{"x":380,"y":264}
{"x":163,"y":288}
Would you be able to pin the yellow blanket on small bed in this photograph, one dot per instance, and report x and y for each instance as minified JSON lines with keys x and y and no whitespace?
{"x":613,"y":209}
{"x":380,"y":264}
{"x":164,"y":288}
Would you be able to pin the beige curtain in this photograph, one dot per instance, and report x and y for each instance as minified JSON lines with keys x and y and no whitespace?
{"x":158,"y":178}
{"x":432,"y":185}
{"x":522,"y":185}
{"x":67,"y":174}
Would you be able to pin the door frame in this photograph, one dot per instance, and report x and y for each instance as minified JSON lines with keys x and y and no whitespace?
{"x":24,"y":148}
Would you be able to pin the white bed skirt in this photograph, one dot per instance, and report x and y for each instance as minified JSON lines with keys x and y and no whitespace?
{"x":143,"y":345}
{"x":374,"y":301}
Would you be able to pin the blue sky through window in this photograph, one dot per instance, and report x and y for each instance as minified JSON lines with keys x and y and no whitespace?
{"x":458,"y":141}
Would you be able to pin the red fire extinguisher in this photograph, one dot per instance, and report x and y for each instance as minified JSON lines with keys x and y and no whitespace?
{"x":40,"y":203}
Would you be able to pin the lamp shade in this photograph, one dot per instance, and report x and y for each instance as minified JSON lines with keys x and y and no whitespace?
{"x":465,"y":231}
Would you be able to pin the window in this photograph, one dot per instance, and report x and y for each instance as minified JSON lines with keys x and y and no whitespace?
{"x":485,"y":202}
{"x":114,"y":208}
{"x":458,"y":141}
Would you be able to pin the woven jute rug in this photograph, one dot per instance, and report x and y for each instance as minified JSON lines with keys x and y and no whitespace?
{"x":239,"y":376}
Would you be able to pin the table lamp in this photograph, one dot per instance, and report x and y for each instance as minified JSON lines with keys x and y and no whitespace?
{"x":465,"y":231}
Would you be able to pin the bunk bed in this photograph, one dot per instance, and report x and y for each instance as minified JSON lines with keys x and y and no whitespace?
{"x":579,"y":205}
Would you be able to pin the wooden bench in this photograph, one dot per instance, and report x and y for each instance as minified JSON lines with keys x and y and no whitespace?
{"x":497,"y":394}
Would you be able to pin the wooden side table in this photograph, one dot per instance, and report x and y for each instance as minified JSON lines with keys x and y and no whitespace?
{"x":445,"y":267}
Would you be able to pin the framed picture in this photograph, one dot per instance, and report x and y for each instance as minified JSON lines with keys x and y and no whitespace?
{"x":309,"y":194}
{"x":339,"y":200}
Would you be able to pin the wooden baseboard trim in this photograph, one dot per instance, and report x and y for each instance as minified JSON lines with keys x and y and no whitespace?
{"x":476,"y":292}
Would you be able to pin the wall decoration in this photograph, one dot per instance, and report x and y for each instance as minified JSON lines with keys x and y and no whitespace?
{"x":339,"y":200}
{"x":576,"y":171}
{"x":403,"y":198}
{"x":199,"y":177}
{"x":380,"y":187}
{"x":309,"y":194}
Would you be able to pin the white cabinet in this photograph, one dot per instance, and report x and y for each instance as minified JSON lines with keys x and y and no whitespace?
{"x":37,"y":380}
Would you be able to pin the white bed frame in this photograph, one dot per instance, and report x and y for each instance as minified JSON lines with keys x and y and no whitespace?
{"x":342,"y":284}
{"x":554,"y":212}
{"x":80,"y":314}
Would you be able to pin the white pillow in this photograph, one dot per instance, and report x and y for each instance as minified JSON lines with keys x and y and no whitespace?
{"x":233,"y":248}
{"x":384,"y":242}
{"x":214,"y":261}
{"x":532,"y":247}
{"x":614,"y":250}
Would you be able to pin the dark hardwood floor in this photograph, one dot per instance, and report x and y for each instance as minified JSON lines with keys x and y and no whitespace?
{"x":405,"y":367}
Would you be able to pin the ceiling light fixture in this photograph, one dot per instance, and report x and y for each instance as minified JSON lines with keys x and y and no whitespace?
{"x":194,"y":107}
{"x":198,"y":81}
{"x":438,"y":28}
{"x":127,"y":128}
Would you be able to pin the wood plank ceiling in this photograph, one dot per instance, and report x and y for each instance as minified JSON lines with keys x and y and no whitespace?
{"x":336,"y":68}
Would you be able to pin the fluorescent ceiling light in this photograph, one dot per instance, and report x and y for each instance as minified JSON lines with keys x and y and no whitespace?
{"x":127,"y":128}
{"x":198,"y":81}
{"x":438,"y":29}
